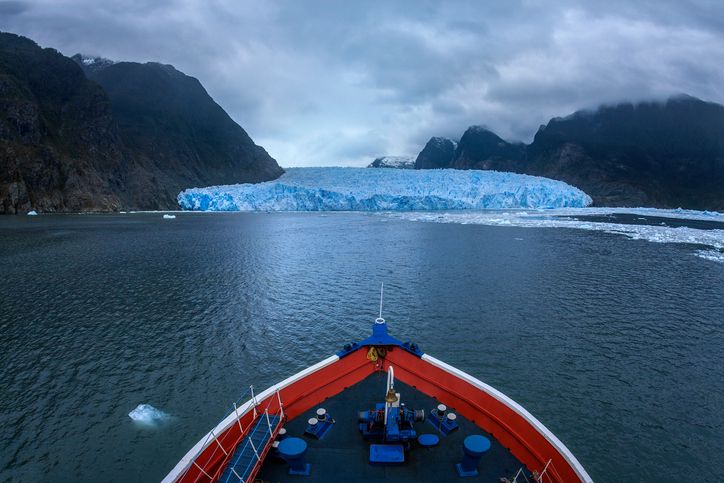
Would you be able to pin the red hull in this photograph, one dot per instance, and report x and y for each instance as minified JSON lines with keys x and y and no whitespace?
{"x":525,"y":437}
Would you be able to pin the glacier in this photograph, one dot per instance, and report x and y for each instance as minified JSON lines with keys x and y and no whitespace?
{"x":386,"y":189}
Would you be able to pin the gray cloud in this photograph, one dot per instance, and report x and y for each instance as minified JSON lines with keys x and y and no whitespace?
{"x":11,"y":7}
{"x":330,"y":83}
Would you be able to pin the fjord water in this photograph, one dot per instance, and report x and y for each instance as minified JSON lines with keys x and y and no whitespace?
{"x":616,"y":345}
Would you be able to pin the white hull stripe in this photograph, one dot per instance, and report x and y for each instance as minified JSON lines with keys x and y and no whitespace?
{"x":188,"y":459}
{"x":207,"y":439}
{"x":518,"y":409}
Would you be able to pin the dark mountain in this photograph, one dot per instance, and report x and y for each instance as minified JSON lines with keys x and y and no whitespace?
{"x":170,"y":123}
{"x":59,"y":148}
{"x":69,"y":144}
{"x":480,"y":148}
{"x":437,"y":153}
{"x":652,"y":154}
{"x":663,"y":154}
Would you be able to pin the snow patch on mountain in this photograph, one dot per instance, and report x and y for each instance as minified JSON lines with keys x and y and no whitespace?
{"x":440,"y":141}
{"x":397,"y":162}
{"x":91,"y":64}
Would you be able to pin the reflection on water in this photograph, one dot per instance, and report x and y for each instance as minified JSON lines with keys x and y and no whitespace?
{"x":614,"y":344}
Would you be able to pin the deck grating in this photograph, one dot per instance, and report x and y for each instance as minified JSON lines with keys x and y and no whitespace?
{"x":244,"y":459}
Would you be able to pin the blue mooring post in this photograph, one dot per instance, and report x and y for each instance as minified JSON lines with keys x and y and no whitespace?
{"x":292,"y":450}
{"x":474,"y":446}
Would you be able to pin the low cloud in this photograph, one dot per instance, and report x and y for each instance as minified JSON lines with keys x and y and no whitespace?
{"x":325,"y":83}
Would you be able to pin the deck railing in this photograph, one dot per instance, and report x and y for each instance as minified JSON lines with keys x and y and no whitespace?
{"x":264,"y":431}
{"x":270,"y":429}
{"x":546,"y":475}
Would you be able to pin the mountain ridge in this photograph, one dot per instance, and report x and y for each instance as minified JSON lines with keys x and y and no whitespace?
{"x":665,"y":154}
{"x":172,"y":123}
{"x":56,"y":133}
{"x":73,"y":139}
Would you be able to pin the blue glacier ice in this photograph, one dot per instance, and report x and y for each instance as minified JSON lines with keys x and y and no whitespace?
{"x":147,"y":415}
{"x":360,"y":189}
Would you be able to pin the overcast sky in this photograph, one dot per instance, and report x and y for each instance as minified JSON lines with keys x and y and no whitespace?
{"x":338,"y":83}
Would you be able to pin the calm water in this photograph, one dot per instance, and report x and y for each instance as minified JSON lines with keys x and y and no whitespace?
{"x":616,"y":345}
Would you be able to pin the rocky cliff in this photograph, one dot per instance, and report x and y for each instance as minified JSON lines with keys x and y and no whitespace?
{"x":130,"y":138}
{"x":480,"y":148}
{"x":175,"y":131}
{"x":438,"y":153}
{"x":667,"y":154}
{"x":59,"y":147}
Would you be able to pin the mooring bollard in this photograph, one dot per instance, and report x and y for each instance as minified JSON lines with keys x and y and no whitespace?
{"x":292,"y":450}
{"x":474,"y":446}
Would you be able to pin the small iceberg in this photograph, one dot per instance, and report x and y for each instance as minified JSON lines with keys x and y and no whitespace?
{"x":32,"y":213}
{"x":169,"y":217}
{"x":148,"y":415}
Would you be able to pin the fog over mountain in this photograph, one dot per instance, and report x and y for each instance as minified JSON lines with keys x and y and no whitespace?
{"x":665,"y":154}
{"x":329,"y":83}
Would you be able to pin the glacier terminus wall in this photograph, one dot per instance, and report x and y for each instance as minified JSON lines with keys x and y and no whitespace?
{"x":360,"y":189}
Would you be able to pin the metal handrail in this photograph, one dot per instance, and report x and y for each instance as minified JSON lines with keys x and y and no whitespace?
{"x":538,"y":477}
{"x":268,"y":430}
{"x":204,"y":446}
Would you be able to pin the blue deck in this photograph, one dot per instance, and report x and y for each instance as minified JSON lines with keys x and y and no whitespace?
{"x":343,"y":455}
{"x":244,"y":458}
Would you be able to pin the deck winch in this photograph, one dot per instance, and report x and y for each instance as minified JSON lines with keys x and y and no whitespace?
{"x":390,"y":421}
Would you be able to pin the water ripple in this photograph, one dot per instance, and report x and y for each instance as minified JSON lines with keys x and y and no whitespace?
{"x":615,"y":344}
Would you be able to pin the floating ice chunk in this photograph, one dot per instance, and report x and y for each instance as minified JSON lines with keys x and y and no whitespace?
{"x":386,"y":189}
{"x":169,"y":217}
{"x":713,"y":255}
{"x":712,"y":239}
{"x":147,"y":415}
{"x":641,"y":212}
{"x":32,"y":213}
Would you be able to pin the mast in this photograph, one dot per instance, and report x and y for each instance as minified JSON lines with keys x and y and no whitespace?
{"x":382,"y":292}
